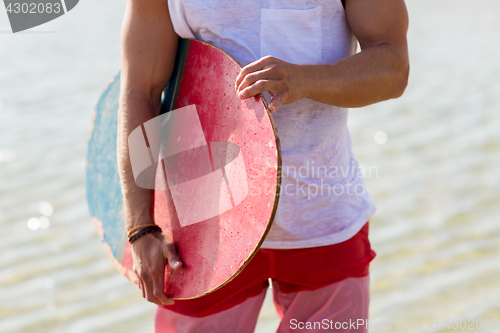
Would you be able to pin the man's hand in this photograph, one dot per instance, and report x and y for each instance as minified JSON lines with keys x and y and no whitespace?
{"x":149,"y":46}
{"x":379,"y":72}
{"x":151,"y":253}
{"x":281,"y":79}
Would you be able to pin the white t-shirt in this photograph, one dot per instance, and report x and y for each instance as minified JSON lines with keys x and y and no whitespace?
{"x":323,"y":199}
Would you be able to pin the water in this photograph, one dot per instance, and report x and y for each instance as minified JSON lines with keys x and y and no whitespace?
{"x":435,"y":180}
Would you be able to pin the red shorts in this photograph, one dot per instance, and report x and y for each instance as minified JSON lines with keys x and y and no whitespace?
{"x":294,"y":270}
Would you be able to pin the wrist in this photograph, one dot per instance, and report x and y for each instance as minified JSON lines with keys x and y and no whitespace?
{"x":303,"y":81}
{"x":143,"y":230}
{"x":133,"y":229}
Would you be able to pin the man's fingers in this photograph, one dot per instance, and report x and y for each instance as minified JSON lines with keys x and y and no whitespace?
{"x":256,"y":88}
{"x":140,"y":283}
{"x":158,"y":281}
{"x":266,"y":74}
{"x":263,"y":74}
{"x":276,"y":102}
{"x":141,"y":286}
{"x":250,"y":68}
{"x":173,"y":258}
{"x":149,"y":289}
{"x":150,"y":259}
{"x":253,"y":67}
{"x":252,"y":77}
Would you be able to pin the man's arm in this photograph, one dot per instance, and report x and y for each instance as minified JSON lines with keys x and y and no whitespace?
{"x":379,"y":72}
{"x":149,"y":46}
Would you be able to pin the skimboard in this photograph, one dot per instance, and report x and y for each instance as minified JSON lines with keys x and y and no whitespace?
{"x":216,"y":172}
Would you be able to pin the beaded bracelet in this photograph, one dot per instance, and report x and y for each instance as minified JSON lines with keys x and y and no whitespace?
{"x":136,"y":234}
{"x":138,"y":227}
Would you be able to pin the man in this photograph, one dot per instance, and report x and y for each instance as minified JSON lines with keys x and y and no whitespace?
{"x":302,"y":54}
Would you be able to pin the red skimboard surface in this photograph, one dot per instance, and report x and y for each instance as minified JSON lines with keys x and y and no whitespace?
{"x":217,"y":179}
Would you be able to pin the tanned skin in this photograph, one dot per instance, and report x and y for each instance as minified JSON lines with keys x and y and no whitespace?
{"x":149,"y":46}
{"x":379,"y":72}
